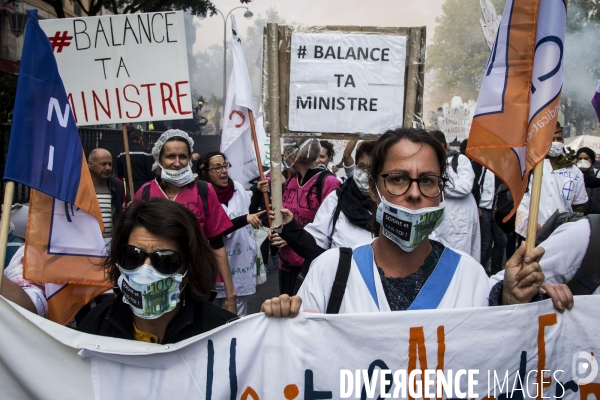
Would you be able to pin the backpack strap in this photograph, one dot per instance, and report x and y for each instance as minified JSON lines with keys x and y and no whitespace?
{"x":341,"y":279}
{"x":146,"y":192}
{"x":336,"y":215}
{"x":203,"y":192}
{"x":455,"y":162}
{"x":587,"y":277}
{"x":318,"y":186}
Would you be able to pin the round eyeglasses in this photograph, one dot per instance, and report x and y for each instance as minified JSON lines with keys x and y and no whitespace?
{"x":398,"y":184}
{"x":219,"y":168}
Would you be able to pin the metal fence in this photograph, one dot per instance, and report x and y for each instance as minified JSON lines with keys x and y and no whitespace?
{"x":106,"y":138}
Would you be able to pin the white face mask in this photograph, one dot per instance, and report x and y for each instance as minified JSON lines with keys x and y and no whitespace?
{"x":361,"y":178}
{"x":149,"y":293}
{"x":556,"y":149}
{"x":584,"y":165}
{"x":407,"y":228}
{"x":180,"y":177}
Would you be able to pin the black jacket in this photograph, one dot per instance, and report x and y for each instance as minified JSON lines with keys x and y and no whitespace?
{"x":114,"y":319}
{"x":117,"y":196}
{"x":141,"y":165}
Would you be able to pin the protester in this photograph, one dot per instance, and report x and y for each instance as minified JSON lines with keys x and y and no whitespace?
{"x":584,"y":160}
{"x":164,"y":273}
{"x":172,"y":153}
{"x":239,"y":239}
{"x":109,"y":191}
{"x":303,"y":193}
{"x":563,"y":187}
{"x":460,"y":228}
{"x":411,"y":268}
{"x":493,"y":239}
{"x":141,"y":161}
{"x":343,"y":218}
{"x":326,"y":155}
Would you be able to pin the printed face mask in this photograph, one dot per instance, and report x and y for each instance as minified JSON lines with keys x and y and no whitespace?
{"x":407,"y":228}
{"x":179,"y":177}
{"x":556,"y":149}
{"x":361,"y":178}
{"x":149,"y":293}
{"x":584,"y":165}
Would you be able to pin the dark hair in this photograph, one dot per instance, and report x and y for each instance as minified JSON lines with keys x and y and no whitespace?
{"x":203,"y":162}
{"x":135,"y":135}
{"x":176,"y":139}
{"x":365,"y":147}
{"x":463,"y":146}
{"x":389,"y":139}
{"x":171,"y":220}
{"x":329,"y":147}
{"x":440,"y":137}
{"x":587,"y":151}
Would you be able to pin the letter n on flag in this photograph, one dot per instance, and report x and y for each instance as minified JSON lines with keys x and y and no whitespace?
{"x":64,"y":241}
{"x":516,"y":113}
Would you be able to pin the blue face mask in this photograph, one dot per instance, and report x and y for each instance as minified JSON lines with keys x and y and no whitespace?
{"x":405,"y":227}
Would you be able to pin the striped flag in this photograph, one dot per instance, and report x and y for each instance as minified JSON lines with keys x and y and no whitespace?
{"x":64,"y":242}
{"x":518,"y":103}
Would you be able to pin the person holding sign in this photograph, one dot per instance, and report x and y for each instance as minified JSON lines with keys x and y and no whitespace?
{"x":402,"y":269}
{"x":164,"y":275}
{"x":172,"y":154}
{"x":303,"y":194}
{"x":239,"y":241}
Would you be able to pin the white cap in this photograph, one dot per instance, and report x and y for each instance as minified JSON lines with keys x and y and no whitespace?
{"x":163,"y":139}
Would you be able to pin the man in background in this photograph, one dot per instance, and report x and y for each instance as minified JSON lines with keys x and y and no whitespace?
{"x":141,"y":161}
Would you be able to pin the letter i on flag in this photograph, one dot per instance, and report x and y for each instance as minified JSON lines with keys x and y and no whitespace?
{"x":516,"y":113}
{"x":64,"y":242}
{"x":236,"y":142}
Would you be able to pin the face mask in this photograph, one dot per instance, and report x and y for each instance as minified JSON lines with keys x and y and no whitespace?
{"x":361,"y":178}
{"x":584,"y":165}
{"x":556,"y":149}
{"x":407,"y":228}
{"x":179,"y":177}
{"x":149,"y":293}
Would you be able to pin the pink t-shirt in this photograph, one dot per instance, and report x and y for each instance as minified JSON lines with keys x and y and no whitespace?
{"x":213,"y":224}
{"x":296,"y":199}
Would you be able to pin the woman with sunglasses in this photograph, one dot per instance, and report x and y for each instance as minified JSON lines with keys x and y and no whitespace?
{"x":239,"y":239}
{"x":172,"y":154}
{"x":402,"y":269}
{"x":164,"y":276}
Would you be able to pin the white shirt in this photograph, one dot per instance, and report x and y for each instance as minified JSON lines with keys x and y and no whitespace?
{"x":487,"y":188}
{"x":346,"y":234}
{"x":561,"y":189}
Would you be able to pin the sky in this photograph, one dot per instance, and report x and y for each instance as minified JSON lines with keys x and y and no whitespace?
{"x":392,"y":13}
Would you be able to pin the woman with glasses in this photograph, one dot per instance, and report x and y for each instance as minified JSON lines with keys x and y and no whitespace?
{"x":172,"y":162}
{"x":240,"y":244}
{"x":402,"y":269}
{"x":164,"y":275}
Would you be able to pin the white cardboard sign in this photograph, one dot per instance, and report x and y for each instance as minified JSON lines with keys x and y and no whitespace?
{"x":346,"y":83}
{"x":123,"y":68}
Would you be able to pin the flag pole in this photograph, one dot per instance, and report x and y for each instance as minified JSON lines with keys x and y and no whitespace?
{"x":9,"y":190}
{"x":259,"y":162}
{"x":128,"y":162}
{"x":534,"y":206}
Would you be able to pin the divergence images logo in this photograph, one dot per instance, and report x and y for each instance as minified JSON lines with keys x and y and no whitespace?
{"x":584,"y":367}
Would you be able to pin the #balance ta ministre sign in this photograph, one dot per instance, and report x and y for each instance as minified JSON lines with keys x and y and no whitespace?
{"x":346,"y":83}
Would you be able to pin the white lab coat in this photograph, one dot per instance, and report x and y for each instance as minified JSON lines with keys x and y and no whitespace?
{"x":460,"y":228}
{"x":240,"y":246}
{"x":561,"y":189}
{"x":565,"y":249}
{"x":346,"y":234}
{"x":468,"y":287}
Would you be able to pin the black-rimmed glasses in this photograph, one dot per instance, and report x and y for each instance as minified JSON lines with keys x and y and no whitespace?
{"x":164,"y":261}
{"x":398,"y":184}
{"x":219,"y":168}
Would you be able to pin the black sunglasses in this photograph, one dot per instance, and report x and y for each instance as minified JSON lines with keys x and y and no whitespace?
{"x":164,"y":261}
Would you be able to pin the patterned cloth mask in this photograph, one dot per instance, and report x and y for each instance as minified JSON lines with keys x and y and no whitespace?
{"x":405,"y":227}
{"x":149,"y":293}
{"x":361,"y":178}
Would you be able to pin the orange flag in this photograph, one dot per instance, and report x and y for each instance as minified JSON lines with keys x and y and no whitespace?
{"x":518,"y":103}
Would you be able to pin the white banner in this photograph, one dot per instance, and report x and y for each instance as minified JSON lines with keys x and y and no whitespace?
{"x":346,"y":83}
{"x":456,"y":119}
{"x":575,"y":142}
{"x":123,"y":68}
{"x":497,"y":351}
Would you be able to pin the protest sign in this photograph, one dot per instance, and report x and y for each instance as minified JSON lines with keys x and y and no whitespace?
{"x":347,"y":82}
{"x":490,"y":21}
{"x":526,"y":351}
{"x":123,"y":68}
{"x":456,"y":119}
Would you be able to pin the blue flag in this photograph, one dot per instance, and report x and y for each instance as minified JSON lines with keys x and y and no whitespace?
{"x":44,"y":151}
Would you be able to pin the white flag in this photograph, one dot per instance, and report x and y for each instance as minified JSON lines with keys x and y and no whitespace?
{"x":236,"y":142}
